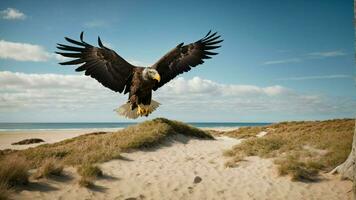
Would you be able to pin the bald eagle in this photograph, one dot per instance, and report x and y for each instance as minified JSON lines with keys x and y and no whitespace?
{"x":115,"y":73}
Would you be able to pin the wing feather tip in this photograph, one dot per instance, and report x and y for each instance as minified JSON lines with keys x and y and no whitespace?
{"x":213,"y":42}
{"x":100,"y":43}
{"x":72,"y":62}
{"x":81,"y":36}
{"x":207,"y":33}
{"x":206,"y":52}
{"x":211,"y":39}
{"x":211,"y":47}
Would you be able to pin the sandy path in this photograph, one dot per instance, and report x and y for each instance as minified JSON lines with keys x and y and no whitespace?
{"x":168,"y":172}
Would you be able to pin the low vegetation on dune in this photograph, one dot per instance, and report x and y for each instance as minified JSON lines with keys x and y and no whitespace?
{"x":88,"y":173}
{"x":301,"y":149}
{"x":96,"y":148}
{"x":88,"y":149}
{"x":13,"y":172}
{"x":5,"y":191}
{"x":240,"y":133}
{"x":49,"y":167}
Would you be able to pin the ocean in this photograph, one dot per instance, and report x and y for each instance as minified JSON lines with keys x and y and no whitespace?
{"x":108,"y":125}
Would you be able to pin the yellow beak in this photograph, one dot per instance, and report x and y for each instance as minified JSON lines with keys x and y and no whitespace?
{"x":157,"y":77}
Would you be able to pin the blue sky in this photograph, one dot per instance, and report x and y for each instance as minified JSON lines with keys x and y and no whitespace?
{"x":280,"y":60}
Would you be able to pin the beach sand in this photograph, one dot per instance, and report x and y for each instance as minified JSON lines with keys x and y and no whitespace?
{"x":182,"y":168}
{"x":49,"y":136}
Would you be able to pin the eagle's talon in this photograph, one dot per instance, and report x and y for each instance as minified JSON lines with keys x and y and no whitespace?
{"x":147,"y":111}
{"x":140,"y":111}
{"x":144,"y":111}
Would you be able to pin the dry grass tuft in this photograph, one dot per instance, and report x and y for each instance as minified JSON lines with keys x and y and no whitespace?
{"x":298,"y":170}
{"x":234,"y":161}
{"x":328,"y":142}
{"x":50,"y":167}
{"x":85,"y":182}
{"x":89,"y":170}
{"x":14,"y":171}
{"x":5,"y":192}
{"x":88,"y":173}
{"x":263,"y":147}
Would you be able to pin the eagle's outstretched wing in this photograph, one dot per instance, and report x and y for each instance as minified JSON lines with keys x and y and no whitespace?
{"x":182,"y":58}
{"x":100,"y":63}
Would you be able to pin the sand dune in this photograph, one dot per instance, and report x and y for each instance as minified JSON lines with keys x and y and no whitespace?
{"x":186,"y":168}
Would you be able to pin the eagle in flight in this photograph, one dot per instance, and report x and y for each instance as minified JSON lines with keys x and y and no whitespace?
{"x":115,"y":73}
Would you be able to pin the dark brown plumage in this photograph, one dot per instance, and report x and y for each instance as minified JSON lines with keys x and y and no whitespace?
{"x":113,"y":72}
{"x":182,"y":58}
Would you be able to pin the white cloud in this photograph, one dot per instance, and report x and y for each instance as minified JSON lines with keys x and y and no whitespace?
{"x":201,"y":86}
{"x":326,"y":54}
{"x":26,"y":52}
{"x":60,"y":58}
{"x":209,"y":98}
{"x":301,"y":78}
{"x":12,"y":14}
{"x":283,"y":61}
{"x":196,"y":98}
{"x":22,"y":51}
{"x":49,"y":91}
{"x":312,"y":55}
{"x":18,"y":81}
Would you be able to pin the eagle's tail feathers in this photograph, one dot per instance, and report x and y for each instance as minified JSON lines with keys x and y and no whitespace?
{"x":152,"y":107}
{"x":125,"y":109}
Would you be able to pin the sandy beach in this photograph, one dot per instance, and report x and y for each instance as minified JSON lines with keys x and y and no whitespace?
{"x":181,"y":168}
{"x":49,"y":136}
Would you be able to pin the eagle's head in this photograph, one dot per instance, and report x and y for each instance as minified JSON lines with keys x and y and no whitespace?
{"x":151,"y":74}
